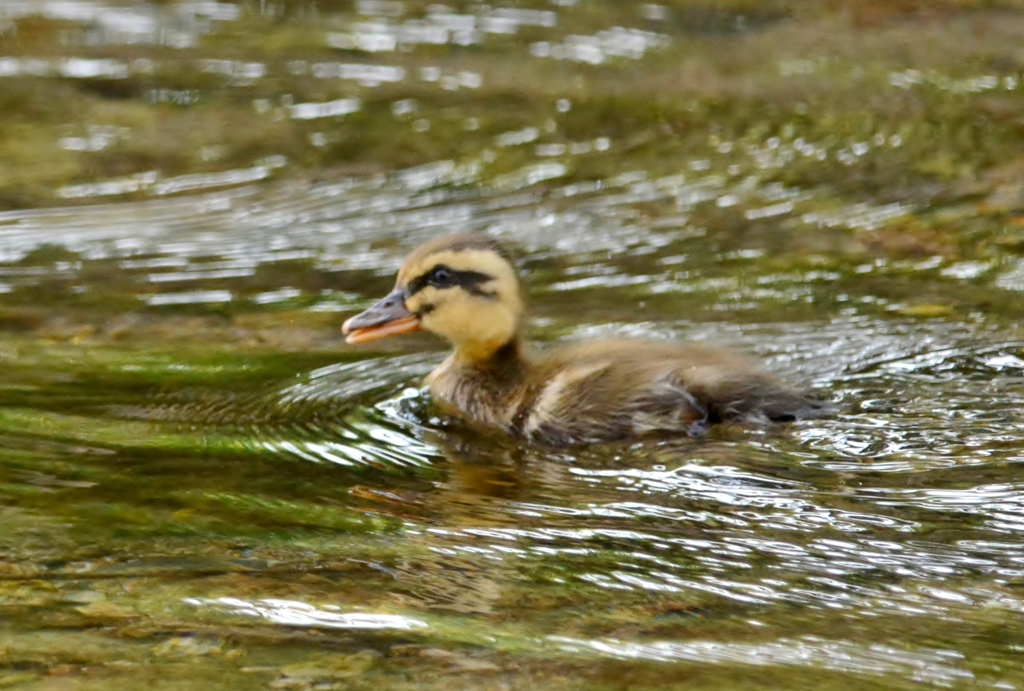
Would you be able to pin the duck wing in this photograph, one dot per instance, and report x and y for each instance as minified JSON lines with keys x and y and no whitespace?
{"x":606,"y":390}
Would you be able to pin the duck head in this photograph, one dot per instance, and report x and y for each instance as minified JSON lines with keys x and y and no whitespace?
{"x":463,"y":288}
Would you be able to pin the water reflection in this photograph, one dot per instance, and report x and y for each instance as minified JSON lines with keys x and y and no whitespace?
{"x":859,"y":517}
{"x":160,"y":443}
{"x":293,"y":613}
{"x":940,"y":667}
{"x":176,"y":26}
{"x":602,"y":46}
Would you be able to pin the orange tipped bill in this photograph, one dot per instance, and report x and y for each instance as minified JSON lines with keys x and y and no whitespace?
{"x":372,"y":333}
{"x":386,"y":317}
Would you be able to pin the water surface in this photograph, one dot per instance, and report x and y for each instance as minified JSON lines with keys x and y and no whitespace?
{"x":201,"y":485}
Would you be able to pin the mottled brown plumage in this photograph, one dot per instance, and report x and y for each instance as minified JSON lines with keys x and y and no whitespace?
{"x":465,"y":289}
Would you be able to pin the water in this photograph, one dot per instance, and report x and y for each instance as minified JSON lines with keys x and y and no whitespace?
{"x":202,"y":486}
{"x":212,"y":470}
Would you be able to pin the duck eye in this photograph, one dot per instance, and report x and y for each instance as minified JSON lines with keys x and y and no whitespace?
{"x":442,"y":277}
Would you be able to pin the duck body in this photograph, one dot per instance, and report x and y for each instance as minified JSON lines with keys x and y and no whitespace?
{"x":614,"y":389}
{"x":464,"y":288}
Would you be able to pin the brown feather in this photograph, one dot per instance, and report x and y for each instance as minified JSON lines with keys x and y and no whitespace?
{"x":592,"y":391}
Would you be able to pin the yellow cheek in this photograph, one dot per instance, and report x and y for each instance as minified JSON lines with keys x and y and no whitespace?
{"x":448,"y":316}
{"x":454,"y":315}
{"x":417,"y":302}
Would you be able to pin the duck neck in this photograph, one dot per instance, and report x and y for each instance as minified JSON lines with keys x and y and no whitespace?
{"x":506,"y":361}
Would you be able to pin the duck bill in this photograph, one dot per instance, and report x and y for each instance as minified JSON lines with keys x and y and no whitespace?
{"x":386,"y":317}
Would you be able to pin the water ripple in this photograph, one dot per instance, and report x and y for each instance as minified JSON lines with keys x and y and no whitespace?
{"x":931,"y":666}
{"x":294,"y":613}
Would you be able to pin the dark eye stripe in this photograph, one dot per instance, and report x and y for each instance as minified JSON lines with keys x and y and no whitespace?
{"x":470,"y":281}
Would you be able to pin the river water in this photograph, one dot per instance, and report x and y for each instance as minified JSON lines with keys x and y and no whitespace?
{"x":202,"y":486}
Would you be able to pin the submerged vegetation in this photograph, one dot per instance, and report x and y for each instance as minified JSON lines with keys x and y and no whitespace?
{"x":202,"y":487}
{"x":890,"y":129}
{"x":933,"y":90}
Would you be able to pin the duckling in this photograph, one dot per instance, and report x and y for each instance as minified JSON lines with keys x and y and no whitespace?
{"x":465,"y":288}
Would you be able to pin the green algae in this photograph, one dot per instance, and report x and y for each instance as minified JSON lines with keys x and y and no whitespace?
{"x":152,"y":467}
{"x":746,"y":86}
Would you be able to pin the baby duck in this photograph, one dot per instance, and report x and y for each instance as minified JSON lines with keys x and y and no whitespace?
{"x":465,"y":288}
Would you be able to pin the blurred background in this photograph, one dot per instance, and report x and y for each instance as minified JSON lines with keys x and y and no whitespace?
{"x":202,"y":486}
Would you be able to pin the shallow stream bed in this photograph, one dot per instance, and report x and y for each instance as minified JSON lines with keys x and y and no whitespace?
{"x":202,"y":486}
